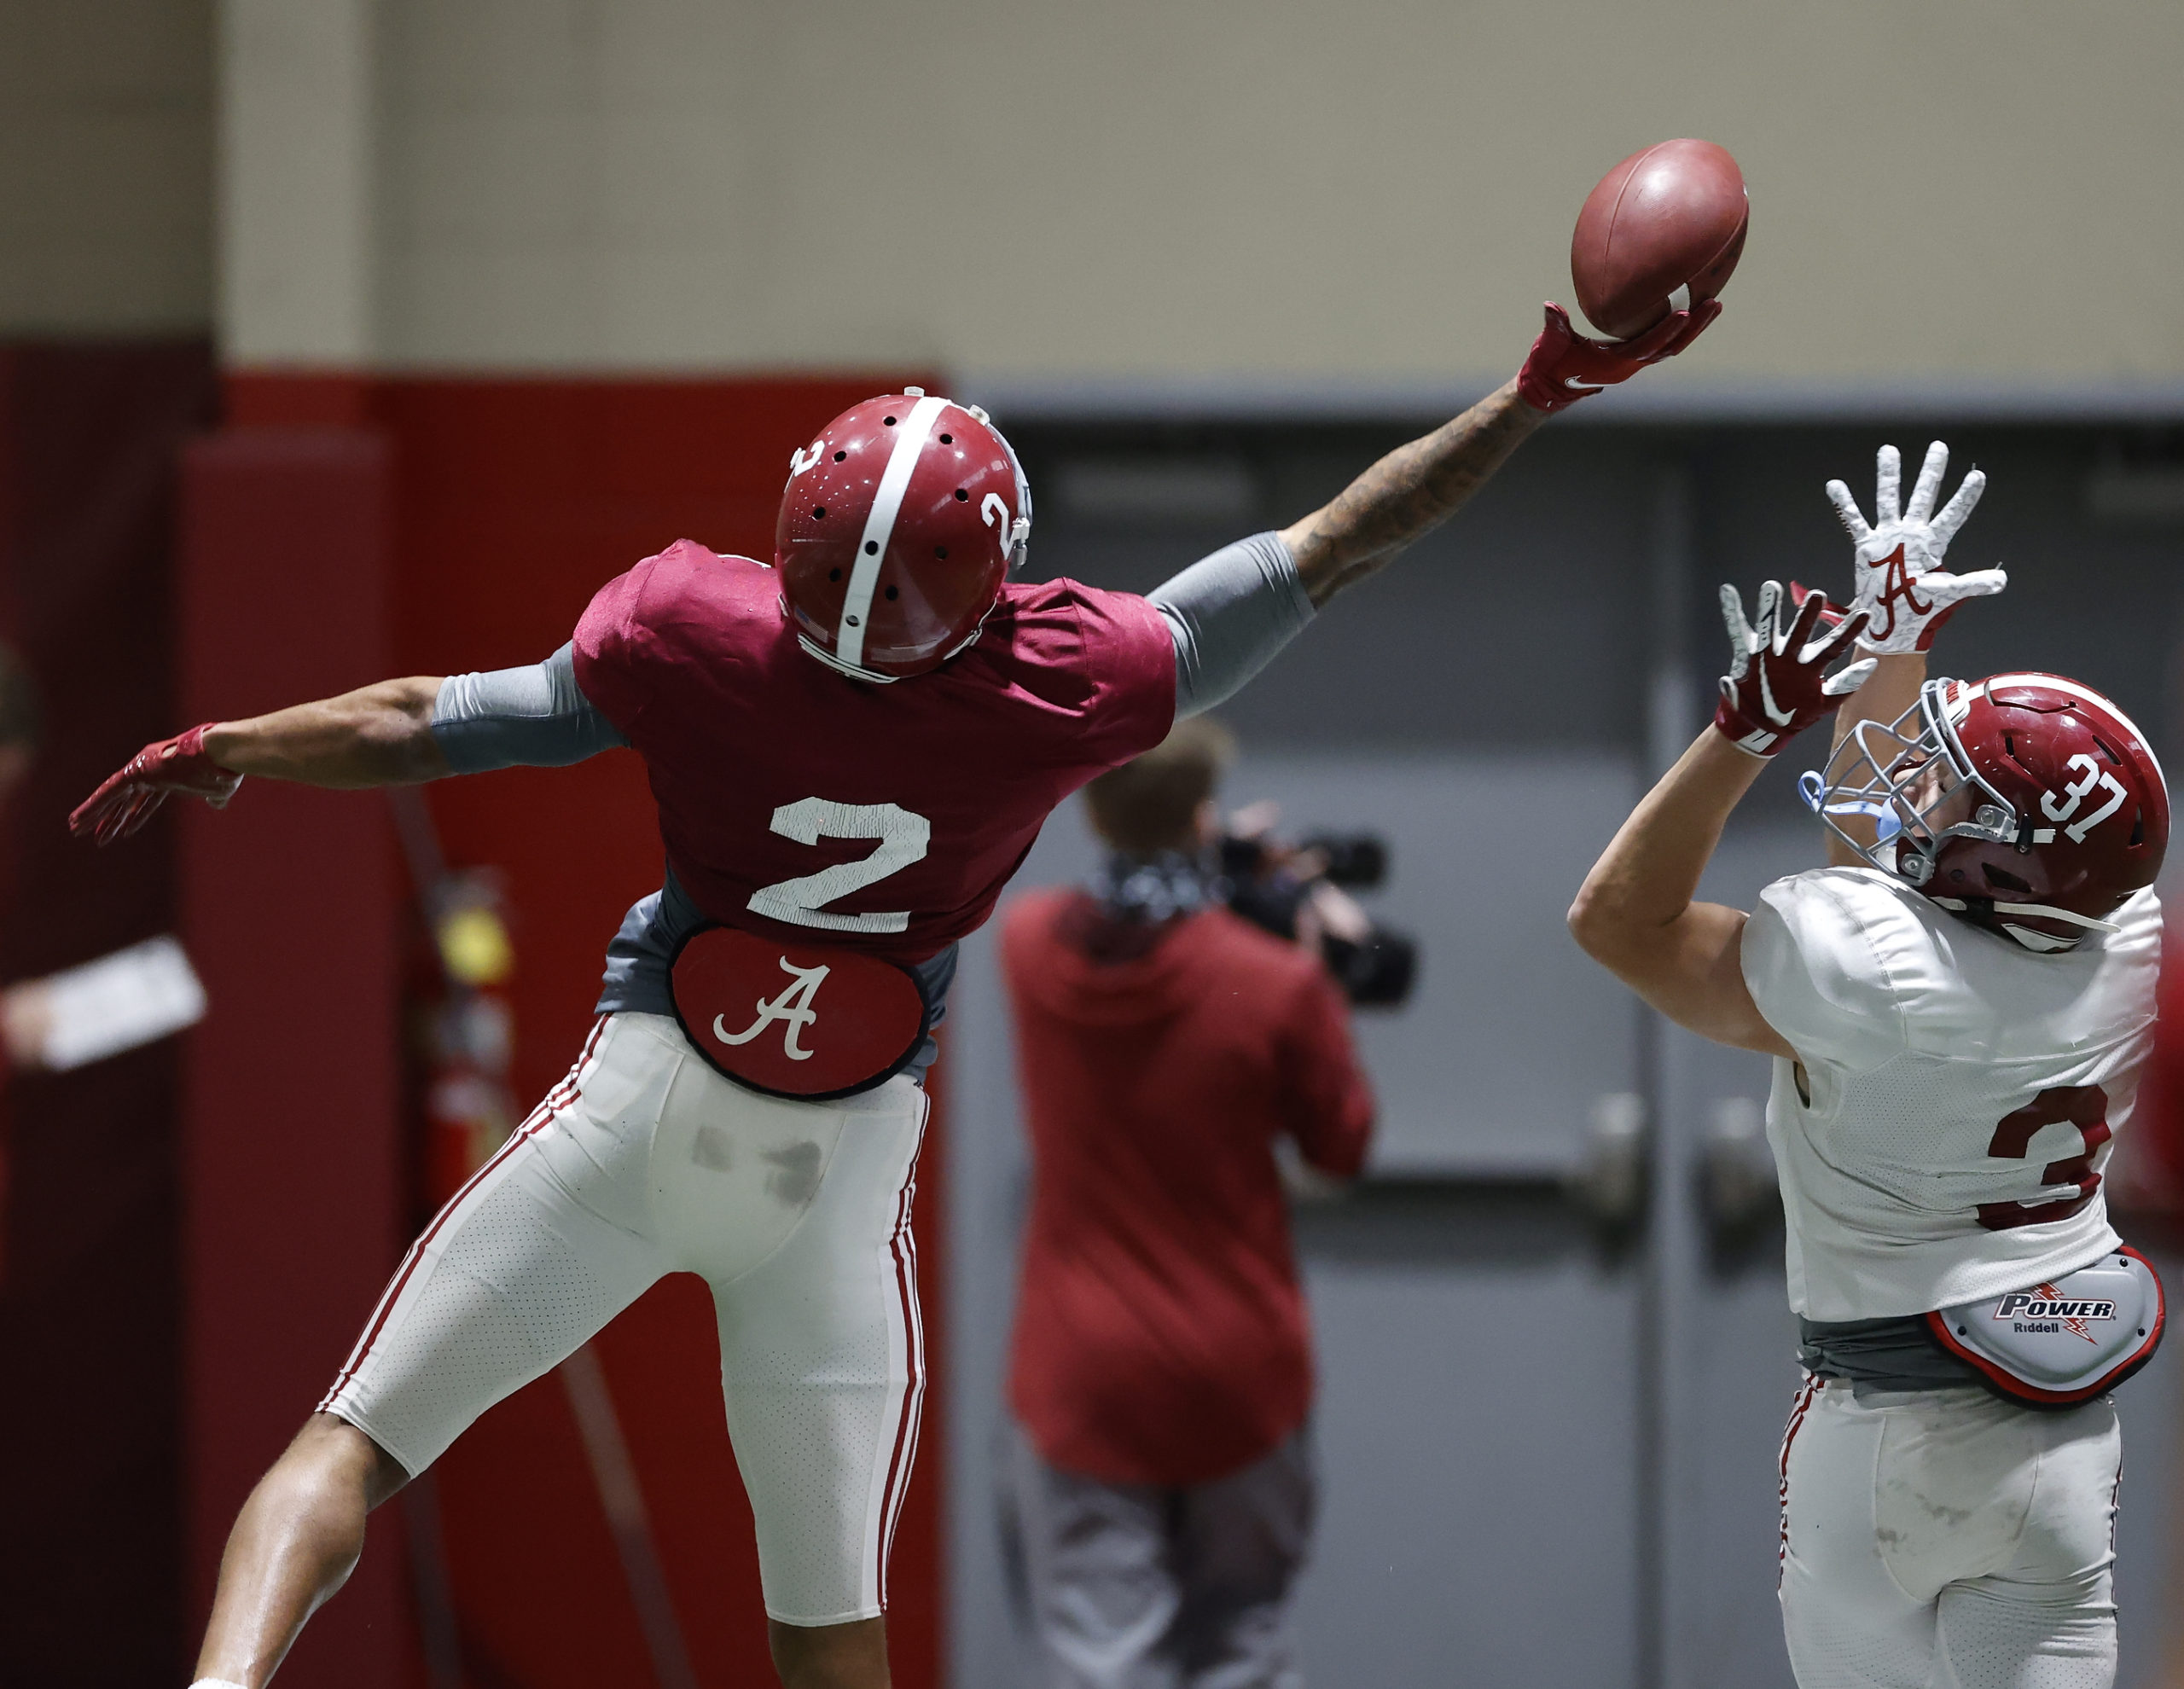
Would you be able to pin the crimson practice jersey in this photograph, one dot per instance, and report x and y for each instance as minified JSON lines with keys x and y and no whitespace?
{"x":1964,"y":1091}
{"x":798,"y":803}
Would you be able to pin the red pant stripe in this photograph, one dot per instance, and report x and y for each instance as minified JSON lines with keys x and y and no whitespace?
{"x":558,"y":1098}
{"x":1806,"y":1392}
{"x":902,"y":1245}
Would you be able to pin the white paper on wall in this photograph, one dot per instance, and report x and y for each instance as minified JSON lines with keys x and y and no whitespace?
{"x":120,"y":1002}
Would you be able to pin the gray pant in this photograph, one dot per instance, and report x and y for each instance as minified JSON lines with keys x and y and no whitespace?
{"x":1140,"y":1586}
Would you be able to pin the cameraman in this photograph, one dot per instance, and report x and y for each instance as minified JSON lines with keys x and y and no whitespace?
{"x":1161,"y":1475}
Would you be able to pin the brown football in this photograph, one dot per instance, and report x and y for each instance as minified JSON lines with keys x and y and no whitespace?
{"x":1671,"y":216}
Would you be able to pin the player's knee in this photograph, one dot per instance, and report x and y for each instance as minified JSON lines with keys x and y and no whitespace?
{"x":330,"y":1462}
{"x":852,"y":1656}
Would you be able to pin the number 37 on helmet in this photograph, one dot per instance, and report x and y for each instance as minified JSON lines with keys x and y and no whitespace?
{"x":898,"y":527}
{"x":2027,"y":802}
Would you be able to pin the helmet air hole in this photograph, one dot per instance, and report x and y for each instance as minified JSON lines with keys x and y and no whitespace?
{"x":941,"y":552}
{"x":890,"y":422}
{"x":2002,"y":881}
{"x":892,"y":595}
{"x":963,"y":493}
{"x":871,"y":548}
{"x":948,"y":439}
{"x":833,"y":574}
{"x":2138,"y":829}
{"x":818,"y":513}
{"x":839,"y":456}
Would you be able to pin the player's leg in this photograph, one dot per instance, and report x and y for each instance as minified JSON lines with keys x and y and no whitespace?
{"x":2047,"y":1620}
{"x":543,"y":1246}
{"x":1849,"y":1624}
{"x":1099,"y":1574}
{"x":294,"y":1543}
{"x":1242,"y":1542}
{"x":798,"y":1215}
{"x":852,"y":1656}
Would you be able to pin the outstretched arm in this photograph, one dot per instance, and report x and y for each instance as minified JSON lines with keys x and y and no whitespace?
{"x":1407,"y":494}
{"x":1230,"y":612}
{"x":376,"y":735}
{"x":1417,"y":487}
{"x":396,"y":732}
{"x":1634,"y":914}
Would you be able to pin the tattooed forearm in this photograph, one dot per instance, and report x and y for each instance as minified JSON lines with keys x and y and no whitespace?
{"x":1410,"y":492}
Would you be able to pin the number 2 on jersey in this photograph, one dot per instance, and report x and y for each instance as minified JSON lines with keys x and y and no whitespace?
{"x":903,"y":839}
{"x":2084,"y":1106}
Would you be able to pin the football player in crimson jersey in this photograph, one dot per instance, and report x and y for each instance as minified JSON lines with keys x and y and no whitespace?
{"x":1959,"y":1008}
{"x":852,"y":750}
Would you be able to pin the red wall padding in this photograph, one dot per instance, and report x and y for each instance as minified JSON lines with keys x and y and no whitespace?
{"x":294,"y":1155}
{"x":508,"y":504}
{"x":90,"y":1544}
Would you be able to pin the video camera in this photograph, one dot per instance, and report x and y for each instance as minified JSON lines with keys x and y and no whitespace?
{"x":1299,"y":892}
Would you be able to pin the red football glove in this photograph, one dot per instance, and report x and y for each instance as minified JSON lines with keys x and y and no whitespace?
{"x":1776,"y":686}
{"x":126,"y":800}
{"x":1831,"y":614}
{"x":1565,"y":367}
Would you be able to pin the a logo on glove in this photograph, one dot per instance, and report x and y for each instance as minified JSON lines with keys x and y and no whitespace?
{"x":1896,"y":583}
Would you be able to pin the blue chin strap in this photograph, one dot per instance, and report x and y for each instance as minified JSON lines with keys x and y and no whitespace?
{"x":1813,"y":790}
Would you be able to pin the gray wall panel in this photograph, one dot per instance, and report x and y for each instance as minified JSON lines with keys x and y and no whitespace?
{"x":1513,"y":1034}
{"x":1477,"y":1437}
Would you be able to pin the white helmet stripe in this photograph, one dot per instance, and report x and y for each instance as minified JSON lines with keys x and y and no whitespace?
{"x":879,"y":527}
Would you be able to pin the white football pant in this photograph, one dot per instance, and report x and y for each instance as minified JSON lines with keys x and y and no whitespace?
{"x":646,"y":1161}
{"x":1948,"y":1538}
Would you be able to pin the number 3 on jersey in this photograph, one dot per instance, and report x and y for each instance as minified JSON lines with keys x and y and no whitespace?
{"x":903,"y":840}
{"x":2084,"y":1106}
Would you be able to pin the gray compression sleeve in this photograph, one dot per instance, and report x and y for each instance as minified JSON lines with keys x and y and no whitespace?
{"x":1229,"y":613}
{"x":529,"y":717}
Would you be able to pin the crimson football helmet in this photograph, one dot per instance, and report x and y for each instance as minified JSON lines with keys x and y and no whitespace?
{"x":898,"y":528}
{"x":2027,"y":802}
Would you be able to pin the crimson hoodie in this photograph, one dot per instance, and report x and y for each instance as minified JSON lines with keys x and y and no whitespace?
{"x":1161,"y":1336}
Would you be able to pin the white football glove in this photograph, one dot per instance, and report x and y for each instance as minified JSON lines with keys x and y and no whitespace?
{"x":1900,"y":585}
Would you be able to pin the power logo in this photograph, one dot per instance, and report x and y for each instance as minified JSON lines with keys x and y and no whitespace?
{"x":2045,"y":1302}
{"x":731,"y":1001}
{"x":2064,"y":1340}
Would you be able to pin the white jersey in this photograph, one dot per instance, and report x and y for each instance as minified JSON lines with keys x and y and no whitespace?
{"x":1964,"y":1091}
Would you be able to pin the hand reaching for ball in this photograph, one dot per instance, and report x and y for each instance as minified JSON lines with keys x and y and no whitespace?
{"x":1565,"y":367}
{"x":1658,"y":237}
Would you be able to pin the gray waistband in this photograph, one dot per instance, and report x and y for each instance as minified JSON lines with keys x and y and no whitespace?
{"x":1880,"y":1355}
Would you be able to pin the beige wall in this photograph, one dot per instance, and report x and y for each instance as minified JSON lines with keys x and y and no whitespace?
{"x":299,"y":133}
{"x":105,"y":166}
{"x":1350,"y":191}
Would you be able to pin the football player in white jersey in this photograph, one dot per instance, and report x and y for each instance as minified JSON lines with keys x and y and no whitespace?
{"x":1958,"y":1007}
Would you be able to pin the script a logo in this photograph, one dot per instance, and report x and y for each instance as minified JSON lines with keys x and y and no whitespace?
{"x":1896,"y":584}
{"x":792,"y":1008}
